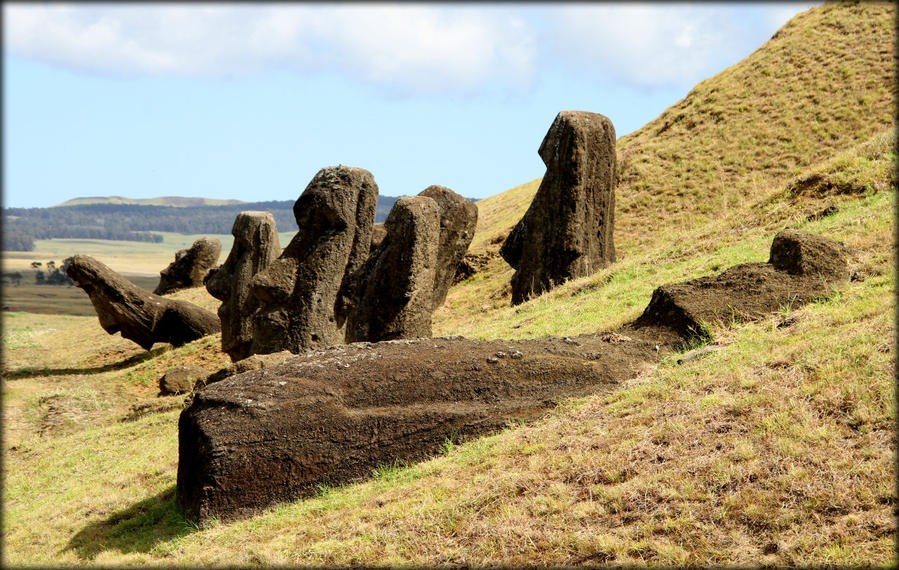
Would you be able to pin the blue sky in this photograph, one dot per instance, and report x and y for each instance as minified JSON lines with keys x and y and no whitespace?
{"x":250,"y":101}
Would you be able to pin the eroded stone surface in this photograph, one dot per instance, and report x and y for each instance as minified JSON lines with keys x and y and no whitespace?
{"x":567,"y":231}
{"x":334,"y":415}
{"x":802,"y":267}
{"x":458,"y":218}
{"x":189,"y":267}
{"x":395,"y":286}
{"x":181,"y":379}
{"x":255,"y":247}
{"x":140,"y":316}
{"x":302,"y":303}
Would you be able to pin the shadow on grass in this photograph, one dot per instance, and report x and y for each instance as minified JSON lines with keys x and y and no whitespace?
{"x":138,"y":528}
{"x":127,"y":363}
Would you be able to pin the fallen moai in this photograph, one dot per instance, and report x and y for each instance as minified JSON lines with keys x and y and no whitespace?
{"x":801,"y":267}
{"x":140,"y":316}
{"x":299,"y":294}
{"x":255,"y":247}
{"x":458,"y":219}
{"x":393,"y":291}
{"x":190,"y":266}
{"x":567,"y":230}
{"x":276,"y":434}
{"x":334,"y":415}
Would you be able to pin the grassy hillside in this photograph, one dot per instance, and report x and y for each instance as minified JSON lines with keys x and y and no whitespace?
{"x":179,"y":201}
{"x":777,"y":449}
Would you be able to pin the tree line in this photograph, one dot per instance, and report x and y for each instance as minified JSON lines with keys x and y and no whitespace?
{"x":134,"y":222}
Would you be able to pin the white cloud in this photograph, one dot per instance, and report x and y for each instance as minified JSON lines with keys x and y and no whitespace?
{"x":662,"y":44}
{"x":409,"y":47}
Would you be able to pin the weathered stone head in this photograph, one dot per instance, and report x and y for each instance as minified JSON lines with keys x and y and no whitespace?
{"x":190,"y":266}
{"x":300,"y":298}
{"x":458,"y":218}
{"x":395,"y":286}
{"x":567,"y":231}
{"x":140,"y":316}
{"x":255,"y":247}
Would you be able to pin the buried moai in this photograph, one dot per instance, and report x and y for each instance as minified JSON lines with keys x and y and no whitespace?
{"x":458,"y":218}
{"x":567,"y":231}
{"x":140,"y":316}
{"x":189,"y":267}
{"x":300,"y":305}
{"x":394,"y":290}
{"x":331,"y":285}
{"x":255,"y":247}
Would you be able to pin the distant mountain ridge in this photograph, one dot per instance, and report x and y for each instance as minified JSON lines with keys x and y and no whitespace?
{"x":177,"y":201}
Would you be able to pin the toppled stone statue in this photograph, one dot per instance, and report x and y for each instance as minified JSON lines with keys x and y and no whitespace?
{"x":394,"y":289}
{"x":299,"y":293}
{"x":140,"y":316}
{"x":255,"y":247}
{"x":273,"y":435}
{"x":458,"y":218}
{"x":801,"y":267}
{"x":567,"y":231}
{"x":190,"y":266}
{"x":335,"y":414}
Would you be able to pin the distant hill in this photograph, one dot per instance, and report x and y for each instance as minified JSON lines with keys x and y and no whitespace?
{"x":137,"y":222}
{"x":177,"y":201}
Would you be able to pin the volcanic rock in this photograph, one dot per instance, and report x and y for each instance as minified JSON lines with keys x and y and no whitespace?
{"x":190,"y":266}
{"x":567,"y":230}
{"x":140,"y":316}
{"x":255,"y":247}
{"x":181,"y":379}
{"x":395,"y":286}
{"x":301,"y":304}
{"x":458,"y":218}
{"x":334,"y":415}
{"x":802,"y":267}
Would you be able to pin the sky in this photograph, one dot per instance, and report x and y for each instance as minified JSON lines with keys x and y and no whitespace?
{"x":249,"y":101}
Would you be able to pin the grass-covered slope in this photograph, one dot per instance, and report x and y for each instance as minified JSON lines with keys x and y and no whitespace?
{"x":777,"y":449}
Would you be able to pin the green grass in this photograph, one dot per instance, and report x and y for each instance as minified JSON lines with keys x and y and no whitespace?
{"x":777,"y":449}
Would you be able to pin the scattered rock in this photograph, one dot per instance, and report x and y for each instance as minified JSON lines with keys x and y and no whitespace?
{"x":828,"y":211}
{"x":395,"y":286}
{"x":140,"y":316}
{"x":180,"y":380}
{"x":190,"y":266}
{"x":255,"y":247}
{"x":458,"y":218}
{"x":302,"y":302}
{"x":253,"y":362}
{"x":567,"y":230}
